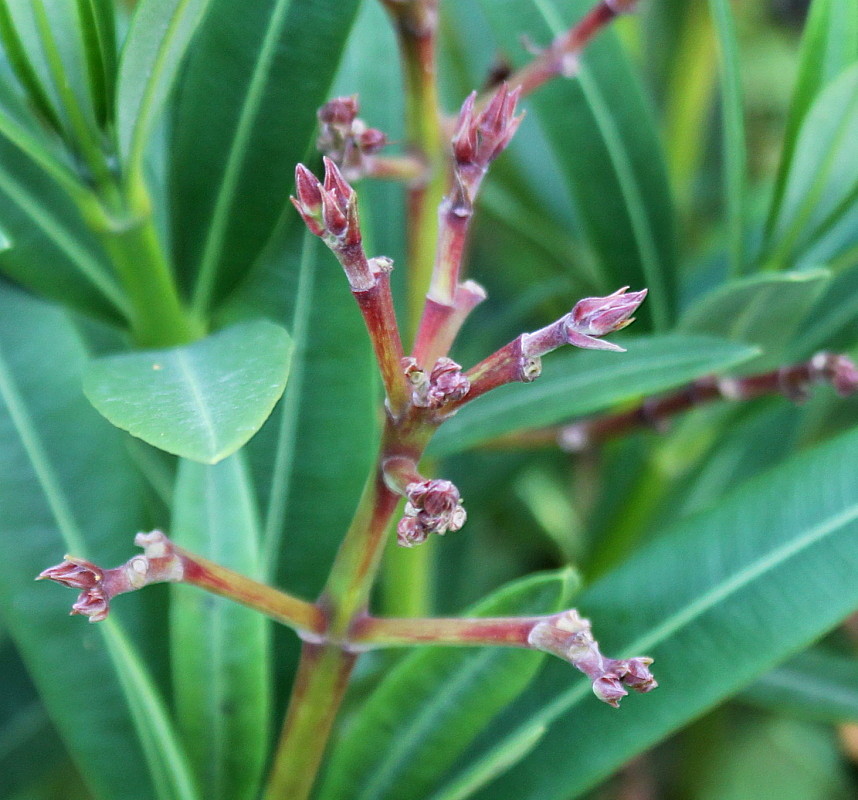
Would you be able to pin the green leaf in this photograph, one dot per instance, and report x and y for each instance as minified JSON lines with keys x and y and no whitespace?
{"x":245,"y":116}
{"x":471,"y":779}
{"x":734,"y":148}
{"x":762,"y":310}
{"x":46,"y":226}
{"x":155,"y":48}
{"x":716,"y":601}
{"x":202,"y":401}
{"x":816,"y":685}
{"x":435,"y":702}
{"x":90,"y":677}
{"x":220,"y":649}
{"x":822,"y":181}
{"x":829,"y":44}
{"x":574,"y":384}
{"x":615,"y":171}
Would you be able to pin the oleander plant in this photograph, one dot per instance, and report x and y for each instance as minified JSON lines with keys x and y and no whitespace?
{"x":314,"y":386}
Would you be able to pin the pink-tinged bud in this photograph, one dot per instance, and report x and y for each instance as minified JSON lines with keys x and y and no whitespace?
{"x":309,"y":199}
{"x":159,"y":562}
{"x":371,"y":141}
{"x":609,"y":690}
{"x":340,"y":111}
{"x":92,"y":603}
{"x":434,"y":506}
{"x":591,"y":318}
{"x":842,"y":373}
{"x":480,"y":138}
{"x":445,"y":384}
{"x":74,"y":573}
{"x":569,"y":636}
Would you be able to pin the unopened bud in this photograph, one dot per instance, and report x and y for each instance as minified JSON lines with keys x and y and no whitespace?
{"x":434,"y":506}
{"x":340,"y":111}
{"x":590,"y":319}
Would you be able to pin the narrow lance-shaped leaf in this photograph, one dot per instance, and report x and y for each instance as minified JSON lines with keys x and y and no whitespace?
{"x":220,"y":650}
{"x":615,"y":170}
{"x":89,"y":676}
{"x":245,"y":115}
{"x":435,"y":701}
{"x":829,"y":44}
{"x":714,"y":601}
{"x":816,"y":685}
{"x":573,"y":384}
{"x":762,"y":310}
{"x":155,"y":48}
{"x":734,"y":148}
{"x":202,"y":401}
{"x":822,"y":182}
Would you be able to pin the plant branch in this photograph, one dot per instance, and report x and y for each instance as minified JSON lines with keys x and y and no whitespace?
{"x":561,"y":58}
{"x":162,"y":561}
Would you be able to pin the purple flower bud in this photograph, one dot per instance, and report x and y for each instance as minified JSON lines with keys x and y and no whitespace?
{"x":446,"y":383}
{"x":591,"y":318}
{"x":371,"y":141}
{"x":637,"y":675}
{"x":609,"y":690}
{"x":340,"y":111}
{"x":74,"y":573}
{"x":480,"y":138}
{"x":843,"y":375}
{"x":92,"y":603}
{"x":434,"y":506}
{"x":309,"y":200}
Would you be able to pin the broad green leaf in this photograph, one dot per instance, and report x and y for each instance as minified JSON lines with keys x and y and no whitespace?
{"x":734,"y":149}
{"x":435,"y":701}
{"x":822,"y":182}
{"x":155,"y":48}
{"x":202,"y":401}
{"x":762,"y":310}
{"x":577,"y":383}
{"x":245,"y":115}
{"x":717,"y":601}
{"x":816,"y":685}
{"x":319,"y":447}
{"x":829,"y":45}
{"x":90,"y":677}
{"x":220,"y":650}
{"x":605,"y":142}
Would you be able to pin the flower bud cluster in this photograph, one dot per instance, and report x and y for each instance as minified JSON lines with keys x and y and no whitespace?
{"x":590,"y":319}
{"x":345,"y":138}
{"x":569,"y":636}
{"x":329,"y":209}
{"x":480,"y":138}
{"x":434,"y":506}
{"x":445,"y":383}
{"x":98,"y":586}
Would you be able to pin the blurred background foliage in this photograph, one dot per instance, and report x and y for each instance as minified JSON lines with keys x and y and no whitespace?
{"x":708,"y":152}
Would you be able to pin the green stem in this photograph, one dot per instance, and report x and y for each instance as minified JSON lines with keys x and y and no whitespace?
{"x":444,"y":631}
{"x":321,"y":682}
{"x":158,"y":318}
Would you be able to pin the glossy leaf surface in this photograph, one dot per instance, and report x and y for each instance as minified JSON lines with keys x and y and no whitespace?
{"x":220,"y":650}
{"x":90,"y":677}
{"x":202,"y":401}
{"x":695,"y":600}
